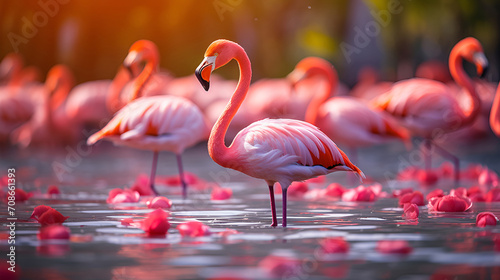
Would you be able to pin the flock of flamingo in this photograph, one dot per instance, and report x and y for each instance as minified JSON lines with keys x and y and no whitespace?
{"x":286,"y":130}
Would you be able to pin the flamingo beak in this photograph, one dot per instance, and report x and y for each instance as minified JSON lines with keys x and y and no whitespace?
{"x":204,"y":71}
{"x":481,"y":63}
{"x":294,"y":78}
{"x":132,"y":58}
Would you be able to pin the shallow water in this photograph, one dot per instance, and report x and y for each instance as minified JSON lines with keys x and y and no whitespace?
{"x":445,"y":244}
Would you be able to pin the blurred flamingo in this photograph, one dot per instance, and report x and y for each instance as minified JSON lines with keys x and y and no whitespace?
{"x":16,"y":108}
{"x":91,"y":103}
{"x":49,"y":125}
{"x":495,"y":114}
{"x":434,"y":70}
{"x":346,"y":120}
{"x":276,"y":150}
{"x":369,"y":86}
{"x":156,"y":123}
{"x":429,"y":108}
{"x":13,"y":72}
{"x":147,"y":81}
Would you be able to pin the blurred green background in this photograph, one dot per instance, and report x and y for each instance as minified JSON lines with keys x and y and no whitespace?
{"x":92,"y":37}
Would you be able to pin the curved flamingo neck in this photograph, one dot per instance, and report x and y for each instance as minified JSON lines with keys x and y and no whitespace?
{"x":461,"y":78}
{"x":331,"y":78}
{"x":495,"y":113}
{"x":113,"y":99}
{"x":217,"y":149}
{"x":147,"y":72}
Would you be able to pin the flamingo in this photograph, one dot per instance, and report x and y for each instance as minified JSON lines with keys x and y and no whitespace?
{"x":495,"y":114}
{"x":156,"y":123}
{"x":345,"y":119}
{"x":429,"y":108}
{"x":49,"y":125}
{"x":276,"y":150}
{"x":369,"y":85}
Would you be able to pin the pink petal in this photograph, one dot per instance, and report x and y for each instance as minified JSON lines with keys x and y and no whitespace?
{"x":411,"y":211}
{"x":484,"y":219}
{"x":156,"y":223}
{"x":334,"y":245}
{"x":53,"y":190}
{"x":54,"y":232}
{"x":193,"y":229}
{"x":51,"y":216}
{"x":435,"y":193}
{"x":415,"y":197}
{"x":394,"y":247}
{"x":335,"y":190}
{"x":159,"y":202}
{"x":38,"y":211}
{"x":219,"y":193}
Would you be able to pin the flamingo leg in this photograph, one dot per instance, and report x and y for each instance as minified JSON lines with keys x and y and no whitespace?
{"x":456,"y":162}
{"x":284,"y":191}
{"x":181,"y":176}
{"x":153,"y":173}
{"x":273,"y":205}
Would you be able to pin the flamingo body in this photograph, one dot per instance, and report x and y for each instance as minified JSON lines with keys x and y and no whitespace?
{"x":157,"y":123}
{"x":285,"y":150}
{"x":423,"y":106}
{"x":352,"y":123}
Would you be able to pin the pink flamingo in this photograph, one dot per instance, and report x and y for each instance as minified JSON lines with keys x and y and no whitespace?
{"x":276,"y":150}
{"x":495,"y":114}
{"x":369,"y":86}
{"x":429,"y":108}
{"x":49,"y":125}
{"x":156,"y":123}
{"x":346,"y":120}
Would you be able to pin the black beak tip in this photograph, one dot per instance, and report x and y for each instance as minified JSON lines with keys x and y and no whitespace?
{"x":205,"y":84}
{"x":485,"y":71}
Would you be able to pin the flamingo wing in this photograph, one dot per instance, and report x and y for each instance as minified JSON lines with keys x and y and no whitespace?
{"x":294,"y":149}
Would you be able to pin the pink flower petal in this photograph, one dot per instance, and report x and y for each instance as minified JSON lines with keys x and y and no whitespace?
{"x":38,"y":211}
{"x":159,"y":202}
{"x":394,"y":247}
{"x":53,"y":190}
{"x":51,"y":216}
{"x":334,"y":245}
{"x":450,"y":203}
{"x":435,"y":193}
{"x":156,"y":223}
{"x":335,"y":190}
{"x":193,"y":229}
{"x":484,"y":219}
{"x":54,"y":232}
{"x":410,"y":211}
{"x":122,"y":196}
{"x":219,"y":193}
{"x":415,"y":197}
{"x":360,"y":193}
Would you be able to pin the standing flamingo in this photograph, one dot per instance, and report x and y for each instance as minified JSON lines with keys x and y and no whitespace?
{"x":156,"y":123}
{"x":495,"y":114}
{"x":346,"y":120}
{"x":276,"y":150}
{"x":429,"y":108}
{"x":49,"y":126}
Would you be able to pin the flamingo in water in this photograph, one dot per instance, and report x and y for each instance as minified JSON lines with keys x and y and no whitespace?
{"x":429,"y":108}
{"x":495,"y":114}
{"x":156,"y":123}
{"x":345,"y":119}
{"x":276,"y":150}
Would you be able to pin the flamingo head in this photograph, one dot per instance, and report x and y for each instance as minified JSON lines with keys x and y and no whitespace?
{"x":471,"y":50}
{"x":59,"y":76}
{"x":312,"y":67}
{"x":218,"y":54}
{"x":141,"y":51}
